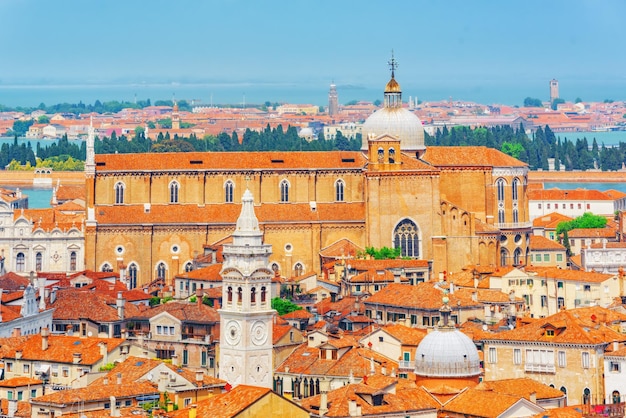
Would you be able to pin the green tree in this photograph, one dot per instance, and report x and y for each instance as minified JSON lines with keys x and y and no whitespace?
{"x":512,"y":149}
{"x":532,"y":102}
{"x":578,"y":100}
{"x":284,"y":306}
{"x":556,"y":103}
{"x":586,"y":220}
{"x":384,"y":253}
{"x":43,"y":119}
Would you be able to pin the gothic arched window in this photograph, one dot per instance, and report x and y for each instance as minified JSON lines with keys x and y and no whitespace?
{"x":504,"y":257}
{"x":284,"y":191}
{"x":339,"y":186}
{"x":515,"y":189}
{"x":132,"y":276}
{"x":500,"y":183}
{"x":586,"y":396}
{"x":106,"y":267}
{"x":406,"y":237}
{"x":188,"y":267}
{"x":517,"y":254}
{"x":119,"y":193}
{"x":174,"y":186}
{"x":392,"y":156}
{"x":229,"y":188}
{"x":161,"y":271}
{"x":298,"y":269}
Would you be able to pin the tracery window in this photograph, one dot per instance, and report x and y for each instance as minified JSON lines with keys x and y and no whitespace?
{"x":20,"y":262}
{"x":73,"y":260}
{"x":132,"y":276}
{"x":228,"y":191}
{"x":119,"y":193}
{"x":161,"y":271}
{"x":504,"y":257}
{"x":284,"y":191}
{"x":298,"y":269}
{"x":188,"y":267}
{"x":38,"y":261}
{"x":106,"y":267}
{"x":406,"y":237}
{"x":339,"y":187}
{"x":174,"y":186}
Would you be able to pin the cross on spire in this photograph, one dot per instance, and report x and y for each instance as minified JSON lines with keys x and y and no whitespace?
{"x":393,"y":64}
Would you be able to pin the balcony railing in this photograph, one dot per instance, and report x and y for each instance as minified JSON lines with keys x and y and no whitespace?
{"x":539,"y":368}
{"x":513,"y":225}
{"x":406,"y":365}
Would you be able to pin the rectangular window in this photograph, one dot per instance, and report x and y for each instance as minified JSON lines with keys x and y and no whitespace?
{"x":426,"y":321}
{"x":203,"y":359}
{"x":33,"y":393}
{"x":517,"y":356}
{"x":380,"y":339}
{"x":211,"y":362}
{"x":571,"y":206}
{"x":585,"y":360}
{"x":562,"y":359}
{"x":548,"y":206}
{"x":65,"y":371}
{"x":544,"y":301}
{"x":559,"y":285}
{"x":493,"y":355}
{"x":10,"y":395}
{"x":55,"y":370}
{"x":551,"y":235}
{"x":546,"y":258}
{"x":560,"y":302}
{"x":539,"y":206}
{"x":187,"y":402}
{"x":538,"y":258}
{"x":26,"y":368}
{"x":559,"y":257}
{"x":564,"y":205}
{"x":587,"y":288}
{"x":159,"y":330}
{"x":614,"y":367}
{"x":185,"y":357}
{"x":413,"y":319}
{"x":539,"y":360}
{"x":580,"y":206}
{"x":588,"y":206}
{"x":20,"y":395}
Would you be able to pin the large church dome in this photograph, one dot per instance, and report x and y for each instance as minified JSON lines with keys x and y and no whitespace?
{"x":394,"y":120}
{"x":447,"y":352}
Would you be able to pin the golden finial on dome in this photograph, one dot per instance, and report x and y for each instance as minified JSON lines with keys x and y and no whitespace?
{"x":392,"y":85}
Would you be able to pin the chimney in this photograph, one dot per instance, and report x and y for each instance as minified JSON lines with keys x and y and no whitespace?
{"x":32,"y":278}
{"x":12,"y":408}
{"x":475,"y":296}
{"x":216,"y":304}
{"x":533,"y":397}
{"x":114,"y":411}
{"x":76,"y":358}
{"x":200,"y":377}
{"x":164,"y":377}
{"x":120,"y":305}
{"x":44,"y":338}
{"x":105,"y":381}
{"x":615,"y":345}
{"x":53,"y":295}
{"x":354,"y":410}
{"x":18,"y":354}
{"x":41,"y":283}
{"x":451,"y":288}
{"x":118,"y":379}
{"x":193,"y":411}
{"x":199,"y":298}
{"x":104,"y":352}
{"x":324,"y":388}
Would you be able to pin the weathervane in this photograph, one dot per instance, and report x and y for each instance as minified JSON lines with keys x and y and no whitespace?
{"x":393,"y":64}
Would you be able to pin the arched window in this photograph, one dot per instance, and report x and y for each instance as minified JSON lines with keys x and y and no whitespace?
{"x":230,"y":294}
{"x":229,"y":188}
{"x":298,"y":269}
{"x":275,"y":267}
{"x":392,"y":156}
{"x":132,"y":276}
{"x":586,"y":396}
{"x":263,"y":294}
{"x":20,"y":262}
{"x":239,"y":295}
{"x":515,"y":189}
{"x":38,"y":262}
{"x":517,"y":254}
{"x":106,"y":267}
{"x":616,"y":396}
{"x":501,"y":216}
{"x":500,"y":183}
{"x":73,"y":260}
{"x":161,"y":271}
{"x":406,"y":237}
{"x":381,"y":155}
{"x":119,"y":193}
{"x":253,"y":295}
{"x":515,"y":215}
{"x":339,"y":186}
{"x":504,"y":257}
{"x":174,"y":186}
{"x":188,"y":266}
{"x":284,"y":191}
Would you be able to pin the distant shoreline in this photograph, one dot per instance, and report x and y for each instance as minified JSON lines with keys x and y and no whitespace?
{"x":577,"y":177}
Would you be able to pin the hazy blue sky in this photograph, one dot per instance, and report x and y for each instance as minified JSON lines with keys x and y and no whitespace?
{"x":442,"y":43}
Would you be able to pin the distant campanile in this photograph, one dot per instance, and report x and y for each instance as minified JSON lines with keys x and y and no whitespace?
{"x":333,"y":100}
{"x":554,"y":90}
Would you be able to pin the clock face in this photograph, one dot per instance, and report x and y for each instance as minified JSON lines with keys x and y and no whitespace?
{"x":233,"y":332}
{"x":258,"y":332}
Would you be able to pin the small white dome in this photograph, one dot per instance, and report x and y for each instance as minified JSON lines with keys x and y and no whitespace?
{"x":305,"y":133}
{"x":397,"y":122}
{"x":447,"y":353}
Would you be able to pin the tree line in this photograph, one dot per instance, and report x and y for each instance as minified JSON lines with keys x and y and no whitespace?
{"x":535,"y":150}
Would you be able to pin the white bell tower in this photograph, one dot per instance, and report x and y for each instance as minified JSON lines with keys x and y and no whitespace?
{"x":246,"y":314}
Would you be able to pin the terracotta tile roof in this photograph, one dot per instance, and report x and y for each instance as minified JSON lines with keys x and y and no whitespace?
{"x":340,"y":305}
{"x":482,"y":227}
{"x":210,"y":274}
{"x":61,"y":348}
{"x":609,"y":245}
{"x":19,"y":381}
{"x":480,"y":403}
{"x":559,"y":194}
{"x":538,"y":243}
{"x":592,"y":233}
{"x":574,"y":411}
{"x":576,"y":260}
{"x":550,"y":221}
{"x":71,"y":192}
{"x":49,"y":219}
{"x":572,"y":327}
{"x":568,"y":275}
{"x":23,"y":408}
{"x":184,"y":311}
{"x":375,"y":276}
{"x":615,"y":194}
{"x":13,"y":281}
{"x":355,"y":361}
{"x":521,"y":387}
{"x":405,"y":401}
{"x":469,"y":156}
{"x":266,"y":213}
{"x":93,"y":393}
{"x":72,"y":206}
{"x":362,"y":264}
{"x":298,"y":314}
{"x":332,"y":160}
{"x":74,"y":304}
{"x":424,"y":296}
{"x":406,"y":335}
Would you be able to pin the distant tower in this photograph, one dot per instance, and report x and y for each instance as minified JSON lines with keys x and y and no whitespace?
{"x":90,"y":173}
{"x":333,"y":100}
{"x":246,"y":314}
{"x":175,"y":117}
{"x":554,"y":90}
